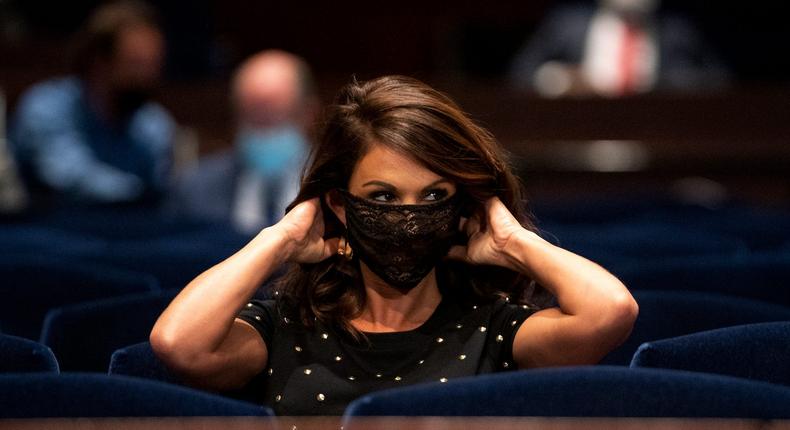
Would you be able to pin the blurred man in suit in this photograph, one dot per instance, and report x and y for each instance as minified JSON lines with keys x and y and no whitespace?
{"x":617,"y":48}
{"x":250,"y":185}
{"x":96,"y":137}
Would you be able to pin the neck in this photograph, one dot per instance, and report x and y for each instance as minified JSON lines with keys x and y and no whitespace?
{"x":388,"y":309}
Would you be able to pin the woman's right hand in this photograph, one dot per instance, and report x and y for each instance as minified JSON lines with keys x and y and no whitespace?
{"x":302,"y":230}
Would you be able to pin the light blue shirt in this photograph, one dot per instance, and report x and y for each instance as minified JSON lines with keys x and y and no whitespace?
{"x":68,"y":147}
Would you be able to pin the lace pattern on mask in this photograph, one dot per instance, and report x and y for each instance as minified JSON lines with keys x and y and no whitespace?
{"x":401,"y":243}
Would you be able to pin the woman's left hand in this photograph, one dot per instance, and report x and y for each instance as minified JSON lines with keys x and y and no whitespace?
{"x":488,"y":241}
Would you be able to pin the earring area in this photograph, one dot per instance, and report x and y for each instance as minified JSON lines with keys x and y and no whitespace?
{"x":344,"y":248}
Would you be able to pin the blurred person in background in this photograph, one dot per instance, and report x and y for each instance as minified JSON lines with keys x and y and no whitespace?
{"x":13,"y":196}
{"x":616,"y":48}
{"x":96,"y":137}
{"x":275,"y":105}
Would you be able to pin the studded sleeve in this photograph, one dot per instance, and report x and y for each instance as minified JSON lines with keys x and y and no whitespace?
{"x":261,"y":314}
{"x":506,"y":319}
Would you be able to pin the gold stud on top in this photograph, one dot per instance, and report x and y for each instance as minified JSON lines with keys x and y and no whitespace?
{"x":482,"y":329}
{"x":459,"y":326}
{"x":462,"y":357}
{"x":421,"y":361}
{"x":443,"y":380}
{"x":270,"y":371}
{"x":514,"y":322}
{"x":278,"y":397}
{"x":474,"y":307}
{"x":257,"y":317}
{"x":307,"y":371}
{"x":325,"y":336}
{"x":286,"y":320}
{"x":505,"y":364}
{"x":351,"y":378}
{"x":398,"y":378}
{"x":249,"y":305}
{"x":499,"y":338}
{"x":338,"y":358}
{"x":320,"y":397}
{"x":439,"y":340}
{"x":298,"y":348}
{"x":378,"y":375}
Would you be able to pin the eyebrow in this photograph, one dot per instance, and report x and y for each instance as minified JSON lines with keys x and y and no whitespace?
{"x":392,"y":187}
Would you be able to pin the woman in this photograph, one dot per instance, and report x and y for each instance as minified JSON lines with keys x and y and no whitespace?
{"x":412,"y":260}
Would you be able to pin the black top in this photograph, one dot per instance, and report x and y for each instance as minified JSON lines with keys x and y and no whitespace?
{"x":318,"y":371}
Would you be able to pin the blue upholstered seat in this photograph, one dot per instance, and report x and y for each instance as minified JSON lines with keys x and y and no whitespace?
{"x":174,"y":260}
{"x":83,"y":336}
{"x":139,"y":360}
{"x":97,"y":395}
{"x":616,"y":244}
{"x":758,"y":228}
{"x":37,"y":240}
{"x":762,"y":276}
{"x":665,"y":314}
{"x":591,"y":391}
{"x":23,"y":355}
{"x":31,"y":286}
{"x":753,"y":351}
{"x":115,"y":224}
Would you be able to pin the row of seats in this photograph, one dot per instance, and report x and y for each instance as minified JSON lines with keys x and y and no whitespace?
{"x":754,"y":351}
{"x":84,"y":335}
{"x":172,"y":250}
{"x":84,"y":313}
{"x":46,"y":395}
{"x":559,"y":392}
{"x":617,"y":234}
{"x":588,"y":391}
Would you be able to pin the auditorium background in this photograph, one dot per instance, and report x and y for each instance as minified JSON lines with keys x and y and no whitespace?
{"x":682,"y":191}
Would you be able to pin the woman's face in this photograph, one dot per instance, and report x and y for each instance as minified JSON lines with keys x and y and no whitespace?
{"x":385,"y":176}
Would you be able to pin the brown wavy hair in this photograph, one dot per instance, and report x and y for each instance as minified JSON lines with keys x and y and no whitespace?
{"x":409,"y":117}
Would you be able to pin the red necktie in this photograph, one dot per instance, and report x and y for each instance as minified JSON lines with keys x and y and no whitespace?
{"x":628,"y":60}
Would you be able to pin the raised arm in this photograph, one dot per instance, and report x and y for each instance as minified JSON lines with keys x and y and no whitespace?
{"x":595,"y":314}
{"x":198,"y":335}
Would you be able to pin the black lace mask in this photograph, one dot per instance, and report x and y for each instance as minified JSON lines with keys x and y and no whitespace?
{"x":401,"y":243}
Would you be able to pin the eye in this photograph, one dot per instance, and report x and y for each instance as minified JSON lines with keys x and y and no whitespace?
{"x":435,"y":194}
{"x":382,"y":196}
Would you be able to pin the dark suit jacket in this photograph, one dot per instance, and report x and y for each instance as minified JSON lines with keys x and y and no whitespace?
{"x":685,"y":61}
{"x":207,"y":191}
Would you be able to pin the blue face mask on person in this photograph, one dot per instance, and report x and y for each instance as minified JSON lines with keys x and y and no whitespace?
{"x":272,"y":152}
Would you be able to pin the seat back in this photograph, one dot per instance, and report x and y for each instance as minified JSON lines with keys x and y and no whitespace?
{"x":31,"y":286}
{"x":588,"y":391}
{"x":759,"y":276}
{"x":754,"y":351}
{"x":665,"y":314}
{"x":97,"y":395}
{"x":18,"y":355}
{"x":139,"y":360}
{"x":84,"y":336}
